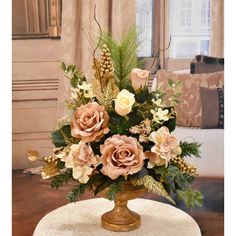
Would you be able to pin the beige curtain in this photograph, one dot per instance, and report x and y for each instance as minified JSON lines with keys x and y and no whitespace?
{"x":217,"y":28}
{"x":123,"y":16}
{"x":80,"y":31}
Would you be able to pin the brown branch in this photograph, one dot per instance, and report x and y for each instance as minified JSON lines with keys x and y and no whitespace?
{"x":157,"y":55}
{"x":100,"y":29}
{"x":94,"y":51}
{"x":88,"y":38}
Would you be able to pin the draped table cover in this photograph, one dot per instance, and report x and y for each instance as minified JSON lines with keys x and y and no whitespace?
{"x":83,"y":218}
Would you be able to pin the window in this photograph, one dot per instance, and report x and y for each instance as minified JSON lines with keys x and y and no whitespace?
{"x":144,"y":16}
{"x":36,"y":19}
{"x":189,"y":27}
{"x":185,"y":14}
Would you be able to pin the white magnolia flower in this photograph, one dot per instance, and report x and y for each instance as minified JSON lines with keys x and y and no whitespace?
{"x":87,"y":87}
{"x":160,"y":115}
{"x":158,"y":102}
{"x":81,"y":173}
{"x":89,"y":94}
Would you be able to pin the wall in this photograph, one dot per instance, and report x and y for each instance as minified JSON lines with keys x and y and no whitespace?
{"x":35,"y":68}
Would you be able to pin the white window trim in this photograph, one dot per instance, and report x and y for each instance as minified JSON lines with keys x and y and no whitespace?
{"x":171,"y":64}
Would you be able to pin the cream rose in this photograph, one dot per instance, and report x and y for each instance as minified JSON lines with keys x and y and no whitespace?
{"x":166,"y":147}
{"x":139,"y":78}
{"x":121,"y":155}
{"x":90,"y":122}
{"x":124,"y":102}
{"x":82,"y":161}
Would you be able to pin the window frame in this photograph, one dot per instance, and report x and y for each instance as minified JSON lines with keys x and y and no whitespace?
{"x":157,"y":35}
{"x":54,"y":11}
{"x":160,"y":40}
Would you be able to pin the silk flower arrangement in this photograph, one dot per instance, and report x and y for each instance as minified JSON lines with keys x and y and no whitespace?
{"x":117,"y":131}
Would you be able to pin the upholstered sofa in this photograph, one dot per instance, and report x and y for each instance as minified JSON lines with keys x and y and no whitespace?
{"x":206,"y":64}
{"x":212,"y":150}
{"x":190,"y":118}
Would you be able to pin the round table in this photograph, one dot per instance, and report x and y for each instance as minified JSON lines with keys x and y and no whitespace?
{"x":83,"y":218}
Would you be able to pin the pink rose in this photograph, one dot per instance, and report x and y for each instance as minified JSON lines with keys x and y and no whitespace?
{"x":90,"y":122}
{"x":139,"y":78}
{"x":121,"y":155}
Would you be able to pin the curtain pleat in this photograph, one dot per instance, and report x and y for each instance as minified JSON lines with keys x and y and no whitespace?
{"x":217,"y":28}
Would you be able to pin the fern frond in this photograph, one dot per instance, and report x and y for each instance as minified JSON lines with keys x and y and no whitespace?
{"x":152,"y":185}
{"x":113,"y":189}
{"x":76,"y":192}
{"x":123,"y":55}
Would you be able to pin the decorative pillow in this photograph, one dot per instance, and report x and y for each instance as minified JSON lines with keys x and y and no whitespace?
{"x":189,"y":110}
{"x":206,"y":64}
{"x":212,"y":107}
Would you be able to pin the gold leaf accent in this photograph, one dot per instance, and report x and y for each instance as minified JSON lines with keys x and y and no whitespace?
{"x":106,"y":96}
{"x":155,"y":186}
{"x":50,"y":169}
{"x":32,"y":155}
{"x":103,"y":84}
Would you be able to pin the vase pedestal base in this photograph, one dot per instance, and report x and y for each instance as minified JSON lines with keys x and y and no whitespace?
{"x":121,"y":218}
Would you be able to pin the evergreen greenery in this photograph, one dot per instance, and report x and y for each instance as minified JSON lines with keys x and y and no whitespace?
{"x":191,"y":198}
{"x":76,"y":192}
{"x":114,"y":188}
{"x":123,"y":55}
{"x":59,"y":180}
{"x":169,"y":181}
{"x":190,"y":149}
{"x":178,"y":184}
{"x":106,"y":182}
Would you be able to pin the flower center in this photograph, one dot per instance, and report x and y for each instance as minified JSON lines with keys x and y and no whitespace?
{"x":125,"y":101}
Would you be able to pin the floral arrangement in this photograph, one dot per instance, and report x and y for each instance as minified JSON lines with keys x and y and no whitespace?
{"x":117,"y":130}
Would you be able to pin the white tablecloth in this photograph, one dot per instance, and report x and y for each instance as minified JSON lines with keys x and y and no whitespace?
{"x":83,"y":218}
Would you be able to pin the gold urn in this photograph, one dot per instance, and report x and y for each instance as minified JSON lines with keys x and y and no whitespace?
{"x":121,"y":218}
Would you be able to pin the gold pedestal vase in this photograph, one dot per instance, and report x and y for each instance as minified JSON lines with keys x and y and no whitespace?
{"x":121,"y":218}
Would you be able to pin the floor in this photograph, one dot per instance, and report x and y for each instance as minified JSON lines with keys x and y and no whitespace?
{"x":33,"y":198}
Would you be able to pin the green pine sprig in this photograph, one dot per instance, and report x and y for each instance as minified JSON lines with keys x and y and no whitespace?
{"x":76,"y":192}
{"x":61,"y":179}
{"x":113,"y":189}
{"x":123,"y":55}
{"x":190,"y":149}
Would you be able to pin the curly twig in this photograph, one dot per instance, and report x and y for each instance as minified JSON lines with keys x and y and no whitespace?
{"x":157,"y":55}
{"x":100,"y":29}
{"x":94,"y":51}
